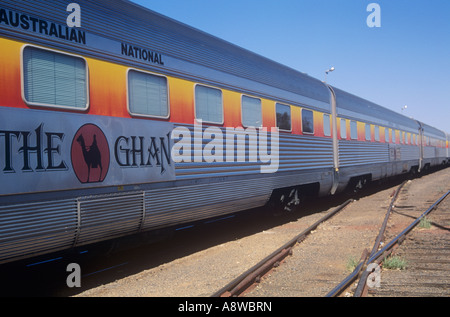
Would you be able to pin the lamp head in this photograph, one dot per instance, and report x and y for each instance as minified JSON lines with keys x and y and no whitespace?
{"x":329,"y":70}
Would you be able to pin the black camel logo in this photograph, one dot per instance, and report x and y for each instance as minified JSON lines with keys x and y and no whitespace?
{"x":92,"y":155}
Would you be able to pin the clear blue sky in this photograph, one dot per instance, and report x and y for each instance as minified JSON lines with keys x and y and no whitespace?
{"x":406,"y":61}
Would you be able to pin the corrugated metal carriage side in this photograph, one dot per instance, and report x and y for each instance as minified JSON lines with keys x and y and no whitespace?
{"x":447,"y":147}
{"x":373,"y":146}
{"x":434,"y":146}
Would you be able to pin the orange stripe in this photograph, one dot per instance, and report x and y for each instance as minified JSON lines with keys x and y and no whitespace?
{"x":318,"y":124}
{"x":268,"y":108}
{"x":181,"y":95}
{"x":296,"y":120}
{"x":108,"y":94}
{"x":107,"y":89}
{"x":10,"y":86}
{"x":232,"y":109}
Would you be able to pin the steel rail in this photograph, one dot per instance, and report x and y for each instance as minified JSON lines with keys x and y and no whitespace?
{"x":242,"y":282}
{"x":362,"y":281}
{"x":364,"y":259}
{"x":378,"y":256}
{"x":398,"y":238}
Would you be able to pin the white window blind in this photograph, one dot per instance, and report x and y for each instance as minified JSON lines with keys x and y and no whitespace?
{"x":147,"y":94}
{"x":353,"y":130}
{"x":251,"y":112}
{"x":368,"y":133}
{"x":54,"y":79}
{"x":208,"y":104}
{"x":326,"y":125}
{"x":343,"y":129}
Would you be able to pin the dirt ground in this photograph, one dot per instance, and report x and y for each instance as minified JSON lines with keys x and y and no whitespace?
{"x":315,"y":267}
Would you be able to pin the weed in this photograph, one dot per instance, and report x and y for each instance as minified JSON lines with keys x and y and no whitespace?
{"x":352,"y":263}
{"x":394,"y":263}
{"x":425,"y":223}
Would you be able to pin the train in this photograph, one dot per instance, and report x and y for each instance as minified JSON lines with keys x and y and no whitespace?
{"x":116,"y":120}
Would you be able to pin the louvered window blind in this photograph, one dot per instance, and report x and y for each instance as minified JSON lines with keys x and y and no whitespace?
{"x":208,"y":104}
{"x":251,"y":112}
{"x":54,"y":79}
{"x":147,"y":94}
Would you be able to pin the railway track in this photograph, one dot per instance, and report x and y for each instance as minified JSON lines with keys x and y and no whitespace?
{"x":427,"y":255}
{"x":240,"y":284}
{"x":427,"y":252}
{"x":434,"y":276}
{"x":250,"y":278}
{"x":366,"y":256}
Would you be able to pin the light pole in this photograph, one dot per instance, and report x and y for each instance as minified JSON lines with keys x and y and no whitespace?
{"x":326,"y":73}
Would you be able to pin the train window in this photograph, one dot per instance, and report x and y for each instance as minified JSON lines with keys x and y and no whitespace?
{"x":251,"y":112}
{"x":343,"y":129}
{"x":54,"y":79}
{"x":368,"y":133}
{"x":208,"y":104}
{"x":326,"y":125}
{"x":393,"y":136}
{"x":308,"y":121}
{"x":377,"y":133}
{"x":386,"y":135}
{"x":147,"y":94}
{"x":353,"y":130}
{"x":283,"y":117}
